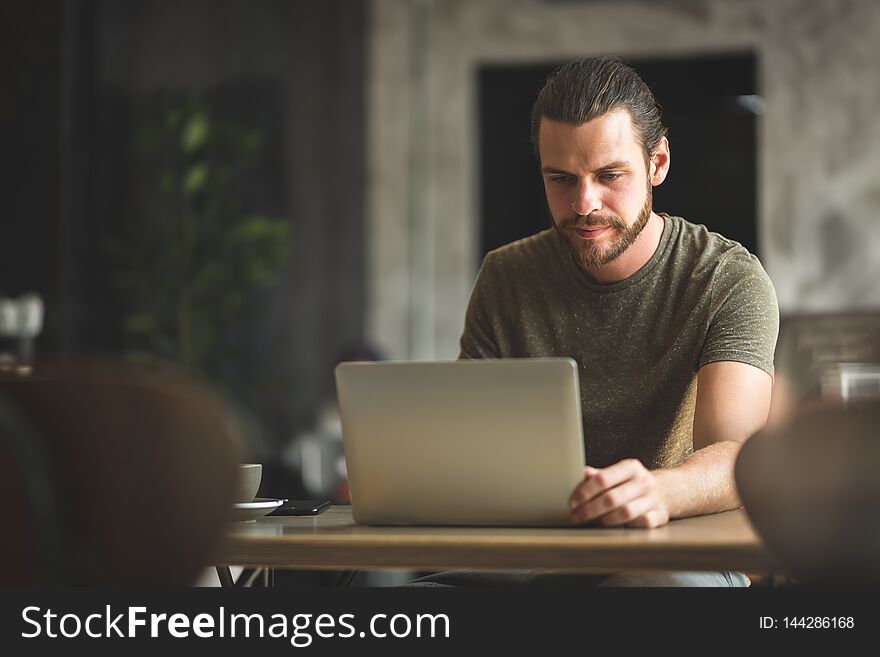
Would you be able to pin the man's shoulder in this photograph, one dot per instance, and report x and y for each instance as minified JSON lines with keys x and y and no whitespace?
{"x":526,"y":252}
{"x":720,"y":268}
{"x":707,"y":250}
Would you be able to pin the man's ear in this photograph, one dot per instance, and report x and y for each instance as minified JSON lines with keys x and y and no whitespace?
{"x":660,"y":162}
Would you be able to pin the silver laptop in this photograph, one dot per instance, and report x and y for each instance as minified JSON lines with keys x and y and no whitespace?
{"x":471,"y":442}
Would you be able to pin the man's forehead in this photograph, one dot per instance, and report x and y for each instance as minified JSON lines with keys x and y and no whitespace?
{"x":617,"y":122}
{"x":609,"y":137}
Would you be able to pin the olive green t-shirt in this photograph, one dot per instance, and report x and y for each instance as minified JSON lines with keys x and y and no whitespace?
{"x":640,"y":342}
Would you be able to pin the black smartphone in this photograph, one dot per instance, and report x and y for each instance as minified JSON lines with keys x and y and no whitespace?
{"x":301,"y":508}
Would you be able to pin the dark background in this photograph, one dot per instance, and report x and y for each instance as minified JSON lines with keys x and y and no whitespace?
{"x":79,"y":75}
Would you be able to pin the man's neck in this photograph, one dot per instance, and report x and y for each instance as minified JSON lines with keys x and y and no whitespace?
{"x":634,"y":258}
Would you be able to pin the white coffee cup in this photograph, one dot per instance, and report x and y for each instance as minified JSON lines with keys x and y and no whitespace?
{"x":249,"y":477}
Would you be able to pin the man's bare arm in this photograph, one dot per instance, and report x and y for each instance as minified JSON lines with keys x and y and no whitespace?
{"x":733,"y":402}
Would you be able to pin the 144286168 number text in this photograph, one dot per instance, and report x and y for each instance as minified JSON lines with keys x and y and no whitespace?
{"x":818,"y":622}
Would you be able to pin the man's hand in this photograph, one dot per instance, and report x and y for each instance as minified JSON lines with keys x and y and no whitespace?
{"x":626,"y":493}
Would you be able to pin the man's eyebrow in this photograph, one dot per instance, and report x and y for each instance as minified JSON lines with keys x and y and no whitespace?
{"x":555,"y":170}
{"x":617,"y":164}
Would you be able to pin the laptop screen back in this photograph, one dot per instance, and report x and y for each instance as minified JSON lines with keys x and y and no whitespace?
{"x":471,"y":442}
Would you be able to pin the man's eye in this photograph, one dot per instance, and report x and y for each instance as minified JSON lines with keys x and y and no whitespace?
{"x":560,"y":179}
{"x":611,"y":176}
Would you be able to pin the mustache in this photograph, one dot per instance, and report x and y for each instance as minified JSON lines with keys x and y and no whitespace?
{"x":591,"y":221}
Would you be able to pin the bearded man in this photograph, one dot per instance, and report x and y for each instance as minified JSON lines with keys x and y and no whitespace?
{"x":673,"y":327}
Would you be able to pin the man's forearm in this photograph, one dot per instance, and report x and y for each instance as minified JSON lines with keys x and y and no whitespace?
{"x":703,"y":483}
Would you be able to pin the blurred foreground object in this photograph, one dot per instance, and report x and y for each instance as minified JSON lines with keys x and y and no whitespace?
{"x":812,"y":491}
{"x":112,"y":476}
{"x":21,"y":321}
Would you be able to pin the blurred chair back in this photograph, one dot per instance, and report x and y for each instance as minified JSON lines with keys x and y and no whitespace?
{"x":811,"y":488}
{"x":32,"y":519}
{"x":116,"y":476}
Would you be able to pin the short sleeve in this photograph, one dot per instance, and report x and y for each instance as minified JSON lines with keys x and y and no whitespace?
{"x":744,"y":323}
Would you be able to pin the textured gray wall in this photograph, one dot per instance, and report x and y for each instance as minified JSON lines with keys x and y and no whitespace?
{"x":819,"y":143}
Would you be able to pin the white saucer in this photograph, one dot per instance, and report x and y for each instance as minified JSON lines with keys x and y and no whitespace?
{"x":244,"y":511}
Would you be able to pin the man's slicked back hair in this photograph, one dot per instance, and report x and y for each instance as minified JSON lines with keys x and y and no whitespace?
{"x":581,"y":91}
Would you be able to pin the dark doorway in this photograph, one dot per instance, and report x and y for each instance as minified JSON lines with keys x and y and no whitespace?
{"x":709,"y":105}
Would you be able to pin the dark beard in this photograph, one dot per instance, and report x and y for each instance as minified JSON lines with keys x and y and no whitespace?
{"x":590,"y":256}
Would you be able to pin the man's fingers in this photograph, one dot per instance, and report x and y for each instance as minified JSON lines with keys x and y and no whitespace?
{"x":601,"y":480}
{"x":613,"y":500}
{"x":650,"y":519}
{"x":628,"y":512}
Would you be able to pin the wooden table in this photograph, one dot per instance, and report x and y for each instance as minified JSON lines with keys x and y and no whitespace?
{"x":331,"y":540}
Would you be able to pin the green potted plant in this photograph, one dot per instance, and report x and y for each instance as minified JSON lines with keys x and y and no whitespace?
{"x":189,"y":259}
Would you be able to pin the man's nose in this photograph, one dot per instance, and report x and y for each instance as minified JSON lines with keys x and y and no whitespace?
{"x":587,"y":198}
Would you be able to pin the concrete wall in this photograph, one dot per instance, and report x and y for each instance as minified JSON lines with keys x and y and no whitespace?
{"x":819,"y":143}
